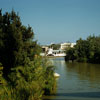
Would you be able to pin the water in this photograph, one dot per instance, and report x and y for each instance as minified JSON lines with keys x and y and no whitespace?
{"x":77,"y":81}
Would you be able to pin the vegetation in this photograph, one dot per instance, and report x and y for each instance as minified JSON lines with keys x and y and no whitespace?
{"x":85,"y":50}
{"x":55,"y":46}
{"x":24,"y":75}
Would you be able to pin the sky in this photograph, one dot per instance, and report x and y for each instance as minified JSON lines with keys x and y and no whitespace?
{"x":57,"y":21}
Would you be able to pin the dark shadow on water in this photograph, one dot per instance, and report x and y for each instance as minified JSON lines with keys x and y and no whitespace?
{"x":59,"y":99}
{"x":81,"y":95}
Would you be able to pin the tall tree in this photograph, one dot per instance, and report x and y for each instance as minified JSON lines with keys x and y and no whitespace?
{"x":16,"y":41}
{"x":86,"y":50}
{"x":27,"y":76}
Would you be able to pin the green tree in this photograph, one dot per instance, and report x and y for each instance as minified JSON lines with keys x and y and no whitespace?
{"x":16,"y":42}
{"x":70,"y":54}
{"x":86,"y":50}
{"x":55,"y":46}
{"x":23,"y":69}
{"x":94,"y":49}
{"x":81,"y":50}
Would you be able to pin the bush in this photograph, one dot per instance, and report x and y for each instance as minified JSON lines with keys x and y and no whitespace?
{"x":26,"y":75}
{"x":85,"y":50}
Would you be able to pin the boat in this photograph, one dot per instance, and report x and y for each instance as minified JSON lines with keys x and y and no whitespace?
{"x":56,"y":75}
{"x":55,"y":53}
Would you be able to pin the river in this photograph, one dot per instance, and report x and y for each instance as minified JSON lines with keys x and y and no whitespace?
{"x":77,"y":81}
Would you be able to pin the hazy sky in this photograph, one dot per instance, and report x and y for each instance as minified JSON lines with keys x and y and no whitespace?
{"x":56,"y":21}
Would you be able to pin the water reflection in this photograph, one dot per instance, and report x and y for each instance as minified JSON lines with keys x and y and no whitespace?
{"x":85,"y":71}
{"x":95,"y":95}
{"x":77,"y":81}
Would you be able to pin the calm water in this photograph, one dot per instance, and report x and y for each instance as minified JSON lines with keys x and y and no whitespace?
{"x":77,"y":81}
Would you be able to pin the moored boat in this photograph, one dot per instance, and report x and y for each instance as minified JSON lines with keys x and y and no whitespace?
{"x":56,"y":75}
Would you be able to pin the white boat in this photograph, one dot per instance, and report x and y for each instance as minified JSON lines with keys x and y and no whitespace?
{"x":56,"y":75}
{"x":55,"y":53}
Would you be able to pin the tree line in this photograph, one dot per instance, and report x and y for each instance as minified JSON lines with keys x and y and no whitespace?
{"x":87,"y":50}
{"x":24,"y":74}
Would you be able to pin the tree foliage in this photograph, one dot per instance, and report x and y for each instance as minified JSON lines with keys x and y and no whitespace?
{"x":23,"y":69}
{"x":86,"y":50}
{"x":70,"y":54}
{"x":55,"y":46}
{"x":16,"y":42}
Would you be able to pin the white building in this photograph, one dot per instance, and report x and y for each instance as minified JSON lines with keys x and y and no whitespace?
{"x":47,"y":51}
{"x":44,"y":50}
{"x":66,"y":45}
